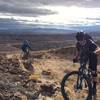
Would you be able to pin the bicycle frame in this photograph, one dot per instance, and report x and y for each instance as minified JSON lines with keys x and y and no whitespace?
{"x":83,"y":72}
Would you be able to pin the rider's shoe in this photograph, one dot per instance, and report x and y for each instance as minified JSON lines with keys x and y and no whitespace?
{"x":94,"y":90}
{"x":89,"y":97}
{"x":95,"y":97}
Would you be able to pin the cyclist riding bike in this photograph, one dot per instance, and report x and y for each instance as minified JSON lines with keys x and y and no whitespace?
{"x":25,"y":49}
{"x":87,"y":50}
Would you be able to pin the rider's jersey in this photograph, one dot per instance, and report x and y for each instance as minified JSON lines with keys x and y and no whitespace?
{"x":87,"y":49}
{"x":25,"y":46}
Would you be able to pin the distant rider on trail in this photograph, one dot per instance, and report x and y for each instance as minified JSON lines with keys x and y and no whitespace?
{"x":25,"y":49}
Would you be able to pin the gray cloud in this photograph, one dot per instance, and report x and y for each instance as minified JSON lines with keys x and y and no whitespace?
{"x":98,"y":19}
{"x":23,"y":8}
{"x":24,"y":11}
{"x":11,"y":23}
{"x":31,"y":7}
{"x":82,"y":3}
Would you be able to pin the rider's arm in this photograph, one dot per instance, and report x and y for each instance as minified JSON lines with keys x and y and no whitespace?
{"x":94,"y":47}
{"x":97,"y":51}
{"x":76,"y":58}
{"x":77,"y":54}
{"x":77,"y":50}
{"x":28,"y":45}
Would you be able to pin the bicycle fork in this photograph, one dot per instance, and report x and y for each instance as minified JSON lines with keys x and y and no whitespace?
{"x":79,"y":82}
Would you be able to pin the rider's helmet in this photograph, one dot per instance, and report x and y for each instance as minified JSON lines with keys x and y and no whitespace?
{"x":80,"y":36}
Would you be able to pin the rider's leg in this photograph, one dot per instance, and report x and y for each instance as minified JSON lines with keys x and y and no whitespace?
{"x":27,"y":52}
{"x":93,"y":67}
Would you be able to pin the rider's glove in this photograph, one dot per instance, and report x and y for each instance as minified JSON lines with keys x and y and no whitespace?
{"x":75,"y":60}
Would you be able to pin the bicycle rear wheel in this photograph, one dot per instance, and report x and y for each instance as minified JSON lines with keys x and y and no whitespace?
{"x":70,"y":87}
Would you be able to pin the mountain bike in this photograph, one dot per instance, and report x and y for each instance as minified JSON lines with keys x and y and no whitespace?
{"x":78,"y":85}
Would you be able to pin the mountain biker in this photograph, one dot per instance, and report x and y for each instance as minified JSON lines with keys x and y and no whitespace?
{"x":25,"y":48}
{"x":87,"y":50}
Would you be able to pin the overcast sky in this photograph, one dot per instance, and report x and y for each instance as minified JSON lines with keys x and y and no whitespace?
{"x":51,"y":12}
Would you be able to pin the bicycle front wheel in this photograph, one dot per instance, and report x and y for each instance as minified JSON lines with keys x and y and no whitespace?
{"x":73,"y":87}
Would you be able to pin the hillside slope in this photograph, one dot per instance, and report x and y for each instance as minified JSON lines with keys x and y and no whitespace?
{"x":18,"y":82}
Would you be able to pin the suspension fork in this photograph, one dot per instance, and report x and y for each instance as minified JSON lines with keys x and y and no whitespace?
{"x":80,"y":78}
{"x":79,"y":81}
